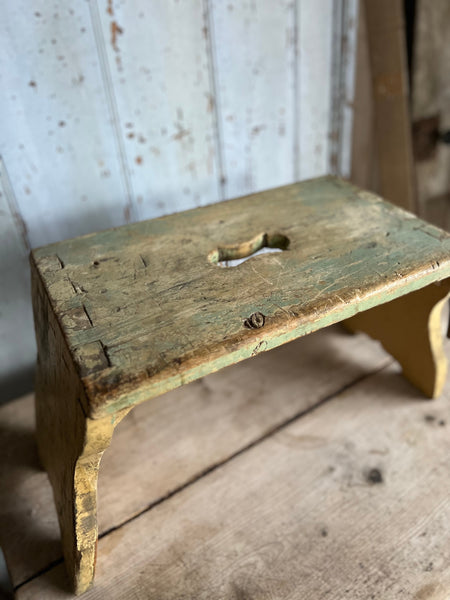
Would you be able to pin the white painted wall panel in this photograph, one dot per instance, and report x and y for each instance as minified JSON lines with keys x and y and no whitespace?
{"x":116,"y":110}
{"x":349,"y":33}
{"x":342,"y":79}
{"x":56,"y":137}
{"x":254,"y":51}
{"x":315,"y":38}
{"x":157,"y":56}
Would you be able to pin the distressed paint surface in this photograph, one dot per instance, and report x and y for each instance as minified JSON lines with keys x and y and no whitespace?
{"x":315,"y":40}
{"x":254,"y":54}
{"x":113,"y":113}
{"x":57,"y":137}
{"x":145,"y":311}
{"x":345,"y":99}
{"x":127,"y":314}
{"x":157,"y":57}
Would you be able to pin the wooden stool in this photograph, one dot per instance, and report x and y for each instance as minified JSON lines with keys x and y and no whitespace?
{"x":127,"y":314}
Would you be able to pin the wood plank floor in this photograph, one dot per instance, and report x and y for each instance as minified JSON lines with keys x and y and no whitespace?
{"x":313,"y":471}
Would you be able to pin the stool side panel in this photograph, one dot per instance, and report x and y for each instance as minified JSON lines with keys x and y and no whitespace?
{"x":70,"y":444}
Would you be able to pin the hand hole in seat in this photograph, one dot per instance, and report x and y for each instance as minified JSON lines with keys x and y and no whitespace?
{"x":234,"y":255}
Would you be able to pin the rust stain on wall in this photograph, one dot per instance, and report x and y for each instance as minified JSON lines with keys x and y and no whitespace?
{"x":115,"y":31}
{"x":182,"y":133}
{"x":256,"y":130}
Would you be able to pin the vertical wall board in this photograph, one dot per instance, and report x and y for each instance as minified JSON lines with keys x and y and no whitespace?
{"x":346,"y":102}
{"x":56,"y":137}
{"x":362,"y":148}
{"x":157,"y":57}
{"x":335,"y":114}
{"x":254,"y":51}
{"x":315,"y":37}
{"x":342,"y":78}
{"x":17,"y":346}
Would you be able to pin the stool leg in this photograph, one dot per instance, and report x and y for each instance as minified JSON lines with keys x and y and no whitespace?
{"x":70,"y":447}
{"x":410,"y":329}
{"x":70,"y":444}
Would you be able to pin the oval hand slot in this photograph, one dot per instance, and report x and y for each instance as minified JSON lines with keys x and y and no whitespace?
{"x":234,"y":255}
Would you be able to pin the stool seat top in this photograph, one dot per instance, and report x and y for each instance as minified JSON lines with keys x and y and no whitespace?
{"x":147,"y":307}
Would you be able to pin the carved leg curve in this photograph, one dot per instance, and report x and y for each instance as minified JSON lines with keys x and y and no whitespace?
{"x":410,"y":329}
{"x":70,"y":447}
{"x":70,"y":444}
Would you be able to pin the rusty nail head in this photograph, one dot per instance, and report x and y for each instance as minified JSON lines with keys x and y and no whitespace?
{"x":255,"y":321}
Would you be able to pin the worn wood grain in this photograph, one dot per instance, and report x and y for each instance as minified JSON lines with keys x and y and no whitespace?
{"x":163,"y":444}
{"x":385,"y":29}
{"x":86,"y":383}
{"x":70,"y":446}
{"x":144,"y":310}
{"x":363,"y":151}
{"x":350,"y":501}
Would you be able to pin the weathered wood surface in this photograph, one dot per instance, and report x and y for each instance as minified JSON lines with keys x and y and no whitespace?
{"x":144,"y":310}
{"x":349,"y":501}
{"x":164,"y":444}
{"x":387,"y":51}
{"x":363,"y":151}
{"x":70,"y":445}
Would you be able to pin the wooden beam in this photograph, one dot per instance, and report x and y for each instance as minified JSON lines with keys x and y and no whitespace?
{"x":392,"y":129}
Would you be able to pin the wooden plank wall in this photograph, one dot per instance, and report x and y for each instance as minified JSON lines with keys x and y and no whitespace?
{"x":115,"y":111}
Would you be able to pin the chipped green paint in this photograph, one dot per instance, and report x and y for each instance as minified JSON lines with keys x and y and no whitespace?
{"x":144,"y":310}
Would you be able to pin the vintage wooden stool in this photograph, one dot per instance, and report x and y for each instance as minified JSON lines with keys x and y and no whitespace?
{"x":127,"y":314}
